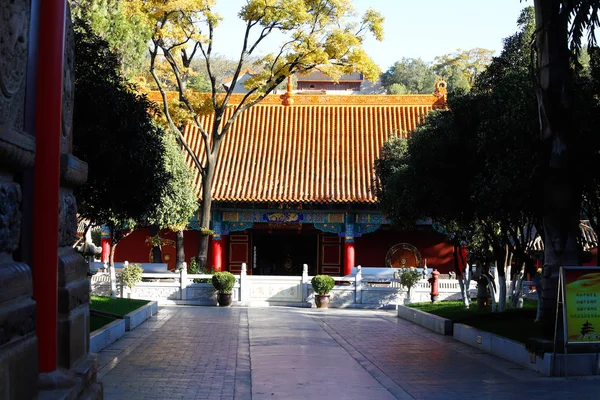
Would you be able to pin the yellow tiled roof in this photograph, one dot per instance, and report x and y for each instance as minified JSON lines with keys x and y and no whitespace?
{"x":320,"y":150}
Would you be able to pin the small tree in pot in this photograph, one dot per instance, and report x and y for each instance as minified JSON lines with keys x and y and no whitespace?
{"x":322,"y":285}
{"x":409,"y":278}
{"x":223,"y":282}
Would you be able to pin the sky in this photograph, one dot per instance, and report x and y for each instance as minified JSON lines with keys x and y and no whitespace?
{"x":413,"y":28}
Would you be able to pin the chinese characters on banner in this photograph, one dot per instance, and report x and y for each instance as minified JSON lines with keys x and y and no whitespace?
{"x":582,"y":301}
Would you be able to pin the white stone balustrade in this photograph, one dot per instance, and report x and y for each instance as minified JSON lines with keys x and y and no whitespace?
{"x":359,"y":290}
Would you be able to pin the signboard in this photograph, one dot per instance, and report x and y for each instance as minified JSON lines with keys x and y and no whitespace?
{"x":581,"y":296}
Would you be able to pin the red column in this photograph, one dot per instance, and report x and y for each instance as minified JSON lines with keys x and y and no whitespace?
{"x":349,"y":258}
{"x":217,"y":254}
{"x":47,"y":179}
{"x":105,"y":242}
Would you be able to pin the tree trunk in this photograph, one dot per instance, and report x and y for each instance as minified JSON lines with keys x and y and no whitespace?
{"x":501,"y":259}
{"x":205,"y":208}
{"x":113,"y":275}
{"x":462,"y":273}
{"x":561,"y":192}
{"x":156,"y":250}
{"x":180,"y":250}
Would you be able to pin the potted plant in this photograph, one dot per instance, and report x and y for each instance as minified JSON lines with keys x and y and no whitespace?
{"x":131,"y":276}
{"x":322,"y":285}
{"x":223,"y":282}
{"x":409,"y":278}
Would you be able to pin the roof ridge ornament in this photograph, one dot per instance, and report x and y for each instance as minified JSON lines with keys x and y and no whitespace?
{"x":288,"y":97}
{"x":441,"y":90}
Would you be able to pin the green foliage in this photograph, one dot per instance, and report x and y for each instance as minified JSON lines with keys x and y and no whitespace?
{"x":409,"y":76}
{"x":322,"y":284}
{"x":454,"y":77}
{"x":126,"y":35}
{"x":120,"y":307}
{"x":472,"y":168}
{"x":223,"y":282}
{"x":132,"y":275}
{"x":194,"y":268}
{"x":114,"y":134}
{"x":409,"y":278}
{"x":502,"y":324}
{"x":178,"y":203}
{"x":461,"y":68}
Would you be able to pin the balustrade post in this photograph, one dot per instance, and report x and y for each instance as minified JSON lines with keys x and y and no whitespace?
{"x":183,"y":282}
{"x":358,"y":285}
{"x":244,"y":284}
{"x":305,"y":283}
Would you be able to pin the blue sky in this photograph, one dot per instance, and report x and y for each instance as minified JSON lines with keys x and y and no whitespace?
{"x":413,"y":28}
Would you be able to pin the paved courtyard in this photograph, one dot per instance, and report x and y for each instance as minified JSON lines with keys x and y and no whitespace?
{"x":289,"y":353}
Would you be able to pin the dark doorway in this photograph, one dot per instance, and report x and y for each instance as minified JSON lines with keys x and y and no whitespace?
{"x":283,"y":253}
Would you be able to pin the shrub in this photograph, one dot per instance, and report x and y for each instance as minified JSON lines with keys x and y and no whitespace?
{"x":409,"y":277}
{"x":223,"y":282}
{"x":322,"y":284}
{"x":194,"y":269}
{"x":131,"y":275}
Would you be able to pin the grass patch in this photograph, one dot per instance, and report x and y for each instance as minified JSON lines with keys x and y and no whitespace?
{"x":515,"y":324}
{"x":97,"y":322}
{"x":117,"y":306}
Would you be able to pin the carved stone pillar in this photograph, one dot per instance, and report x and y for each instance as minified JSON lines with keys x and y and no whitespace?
{"x":18,"y":343}
{"x":73,"y":285}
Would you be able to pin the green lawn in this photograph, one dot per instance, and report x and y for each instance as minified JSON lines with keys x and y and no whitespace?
{"x":97,"y":322}
{"x":118,"y":306}
{"x":515,"y":324}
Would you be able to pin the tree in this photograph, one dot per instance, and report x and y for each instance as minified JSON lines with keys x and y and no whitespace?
{"x":127,"y":36}
{"x":318,"y":33}
{"x":116,"y":136}
{"x":409,"y":76}
{"x":178,"y":203}
{"x":468,"y":63}
{"x":557,"y":21}
{"x":471,"y":168}
{"x":222,"y":69}
{"x":454,"y":77}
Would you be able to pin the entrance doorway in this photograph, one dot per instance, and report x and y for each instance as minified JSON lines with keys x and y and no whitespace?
{"x":283,"y":253}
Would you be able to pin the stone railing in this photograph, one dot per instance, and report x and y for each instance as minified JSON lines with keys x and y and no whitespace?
{"x":255,"y":290}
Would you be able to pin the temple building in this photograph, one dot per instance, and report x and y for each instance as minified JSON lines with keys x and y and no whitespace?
{"x":294,"y":186}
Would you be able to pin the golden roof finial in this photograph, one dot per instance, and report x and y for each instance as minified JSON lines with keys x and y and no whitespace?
{"x":441,"y":91}
{"x":287,"y":98}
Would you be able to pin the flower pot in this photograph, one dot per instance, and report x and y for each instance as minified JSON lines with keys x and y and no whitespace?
{"x":224,"y":299}
{"x":322,"y":300}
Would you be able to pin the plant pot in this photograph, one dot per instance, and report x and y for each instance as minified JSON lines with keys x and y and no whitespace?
{"x":322,"y":300}
{"x":224,"y":299}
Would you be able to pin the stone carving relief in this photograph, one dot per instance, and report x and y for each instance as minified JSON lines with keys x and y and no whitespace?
{"x":10,"y":216}
{"x":14,"y":30}
{"x":67,"y":219}
{"x":68,"y":95}
{"x":17,"y":323}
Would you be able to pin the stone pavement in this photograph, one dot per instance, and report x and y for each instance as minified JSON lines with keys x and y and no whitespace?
{"x":291,"y":353}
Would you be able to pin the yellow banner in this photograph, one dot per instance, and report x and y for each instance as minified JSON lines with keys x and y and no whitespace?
{"x":582,"y":298}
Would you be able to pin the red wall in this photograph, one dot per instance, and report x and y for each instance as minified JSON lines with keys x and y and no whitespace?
{"x":371,"y":249}
{"x":134,"y":248}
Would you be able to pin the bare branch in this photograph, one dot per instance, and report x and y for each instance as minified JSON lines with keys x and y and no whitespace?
{"x":179,"y":135}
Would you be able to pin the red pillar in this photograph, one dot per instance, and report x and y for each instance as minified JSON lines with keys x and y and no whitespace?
{"x":349,"y":257}
{"x":47,"y":179}
{"x":105,"y":242}
{"x":217,"y":254}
